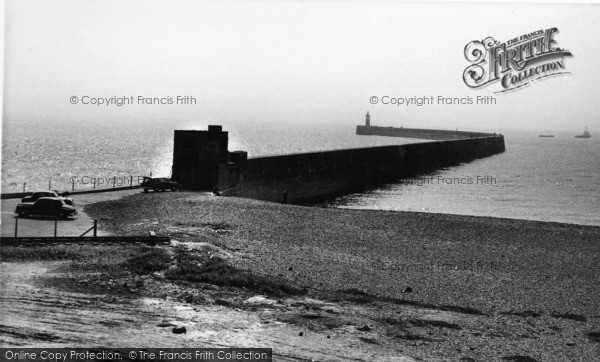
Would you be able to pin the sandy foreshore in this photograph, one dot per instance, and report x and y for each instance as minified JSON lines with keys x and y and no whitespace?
{"x":376,"y":285}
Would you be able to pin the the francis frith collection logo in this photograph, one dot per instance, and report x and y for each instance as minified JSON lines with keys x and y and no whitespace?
{"x":514,"y":63}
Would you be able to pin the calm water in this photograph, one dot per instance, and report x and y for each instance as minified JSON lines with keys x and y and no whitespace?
{"x":36,"y":153}
{"x":549,"y":179}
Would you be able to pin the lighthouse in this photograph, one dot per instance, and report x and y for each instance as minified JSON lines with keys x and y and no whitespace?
{"x":368,"y":120}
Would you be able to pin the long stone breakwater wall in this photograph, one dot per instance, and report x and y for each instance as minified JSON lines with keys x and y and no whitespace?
{"x":432,"y":134}
{"x":201,"y":161}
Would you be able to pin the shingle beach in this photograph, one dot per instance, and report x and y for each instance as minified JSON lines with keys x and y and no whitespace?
{"x":488,"y":264}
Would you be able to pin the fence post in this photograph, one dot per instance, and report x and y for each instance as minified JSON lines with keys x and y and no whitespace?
{"x":95,"y":226}
{"x":130,"y":180}
{"x":16,"y":225}
{"x":55,"y":225}
{"x":94,"y":183}
{"x":114,"y":181}
{"x":72,"y":185}
{"x":49,"y":185}
{"x":24,"y":183}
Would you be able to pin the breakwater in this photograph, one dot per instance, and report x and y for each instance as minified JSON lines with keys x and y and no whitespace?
{"x":431,"y":134}
{"x":201,"y":161}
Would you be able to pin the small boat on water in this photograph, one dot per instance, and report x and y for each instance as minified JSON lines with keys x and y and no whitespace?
{"x":585,"y":134}
{"x":546,"y":135}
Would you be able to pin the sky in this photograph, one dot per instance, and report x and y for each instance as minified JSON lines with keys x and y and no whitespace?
{"x":288,"y":62}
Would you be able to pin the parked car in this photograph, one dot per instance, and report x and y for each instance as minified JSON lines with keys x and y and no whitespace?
{"x":47,"y":193}
{"x":159,"y":184}
{"x":46,"y":206}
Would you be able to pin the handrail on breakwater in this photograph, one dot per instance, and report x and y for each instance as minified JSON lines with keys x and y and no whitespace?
{"x":86,"y":240}
{"x":15,"y":195}
{"x":18,"y":195}
{"x":151,"y":239}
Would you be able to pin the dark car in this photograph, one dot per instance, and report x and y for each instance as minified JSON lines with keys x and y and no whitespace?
{"x":47,"y":193}
{"x":46,"y":206}
{"x":159,"y":184}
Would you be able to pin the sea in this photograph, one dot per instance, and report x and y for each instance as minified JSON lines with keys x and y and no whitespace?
{"x":546,"y":179}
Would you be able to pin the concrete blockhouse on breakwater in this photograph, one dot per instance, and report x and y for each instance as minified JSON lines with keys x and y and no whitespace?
{"x":201,"y":160}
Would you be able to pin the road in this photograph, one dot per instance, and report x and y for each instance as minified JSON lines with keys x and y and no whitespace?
{"x":45,"y":226}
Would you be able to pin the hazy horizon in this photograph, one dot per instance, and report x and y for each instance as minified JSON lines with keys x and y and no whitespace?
{"x":263,"y":62}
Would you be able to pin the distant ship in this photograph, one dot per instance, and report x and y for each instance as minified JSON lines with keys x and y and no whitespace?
{"x":546,"y":135}
{"x":585,"y":134}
